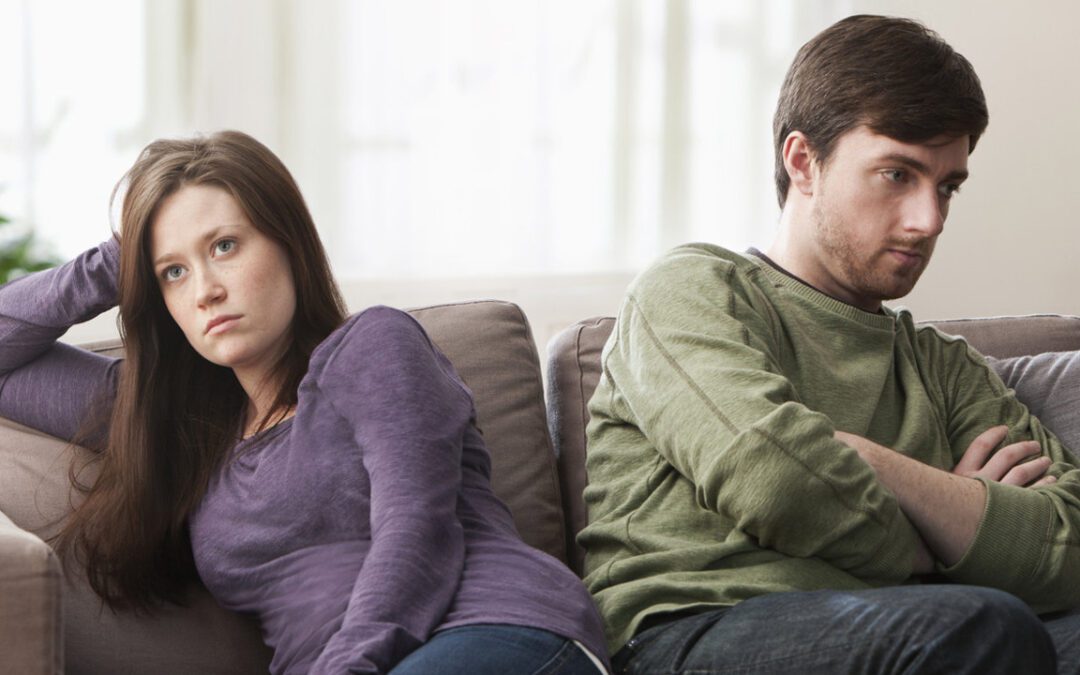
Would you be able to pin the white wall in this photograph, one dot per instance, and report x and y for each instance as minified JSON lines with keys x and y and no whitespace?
{"x":1009,"y":246}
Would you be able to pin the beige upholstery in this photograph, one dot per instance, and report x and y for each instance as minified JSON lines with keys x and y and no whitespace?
{"x":574,"y":370}
{"x":29,"y":589}
{"x":1006,"y":336}
{"x":491,"y":346}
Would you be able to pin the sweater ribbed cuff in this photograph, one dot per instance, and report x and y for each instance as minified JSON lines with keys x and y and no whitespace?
{"x":1010,"y":541}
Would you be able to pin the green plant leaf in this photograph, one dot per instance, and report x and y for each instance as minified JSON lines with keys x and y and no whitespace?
{"x":18,"y":256}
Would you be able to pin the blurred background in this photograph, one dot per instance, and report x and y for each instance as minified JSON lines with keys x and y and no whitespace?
{"x":538,"y":151}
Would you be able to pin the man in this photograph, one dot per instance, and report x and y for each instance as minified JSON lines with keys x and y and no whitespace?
{"x":780,"y":466}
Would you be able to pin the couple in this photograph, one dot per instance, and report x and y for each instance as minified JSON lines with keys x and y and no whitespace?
{"x":775,"y":458}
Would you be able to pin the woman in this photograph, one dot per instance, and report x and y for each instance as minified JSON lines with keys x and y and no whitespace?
{"x":323,"y":473}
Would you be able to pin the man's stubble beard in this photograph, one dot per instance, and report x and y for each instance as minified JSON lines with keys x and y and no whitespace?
{"x":832,"y":235}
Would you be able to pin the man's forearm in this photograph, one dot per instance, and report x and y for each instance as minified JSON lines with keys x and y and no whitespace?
{"x":945,"y":508}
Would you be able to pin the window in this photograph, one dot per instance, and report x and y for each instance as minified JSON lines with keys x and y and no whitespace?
{"x":73,"y":78}
{"x":433,"y":138}
{"x":554,"y":135}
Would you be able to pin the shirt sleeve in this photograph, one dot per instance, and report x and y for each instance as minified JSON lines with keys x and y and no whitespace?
{"x":694,"y":367}
{"x":1028,"y":541}
{"x":44,"y":384}
{"x":409,"y":414}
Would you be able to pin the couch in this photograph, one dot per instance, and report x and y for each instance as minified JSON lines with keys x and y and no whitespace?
{"x":51,"y":622}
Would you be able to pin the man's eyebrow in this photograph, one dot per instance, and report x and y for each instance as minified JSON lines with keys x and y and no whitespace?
{"x":919,"y":167}
{"x":203,"y":240}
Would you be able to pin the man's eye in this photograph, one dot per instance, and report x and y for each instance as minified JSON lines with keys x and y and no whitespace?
{"x":895,"y":175}
{"x":949,"y":189}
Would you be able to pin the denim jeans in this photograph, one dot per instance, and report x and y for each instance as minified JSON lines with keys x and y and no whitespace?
{"x":496,"y":650}
{"x":904,"y":629}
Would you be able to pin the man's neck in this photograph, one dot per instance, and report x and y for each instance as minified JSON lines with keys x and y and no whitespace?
{"x":788,"y":254}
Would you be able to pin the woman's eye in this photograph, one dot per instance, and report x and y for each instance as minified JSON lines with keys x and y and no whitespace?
{"x":225,"y":245}
{"x":172,"y":273}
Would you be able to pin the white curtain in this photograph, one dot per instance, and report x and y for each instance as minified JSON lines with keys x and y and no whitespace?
{"x":432,"y":138}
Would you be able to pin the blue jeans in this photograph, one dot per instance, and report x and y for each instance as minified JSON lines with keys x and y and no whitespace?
{"x":904,"y":629}
{"x":496,"y":650}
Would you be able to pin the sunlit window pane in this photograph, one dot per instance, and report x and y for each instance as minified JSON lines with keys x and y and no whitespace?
{"x":85,"y":94}
{"x":500,"y":116}
{"x":462,"y":137}
{"x":549,"y":136}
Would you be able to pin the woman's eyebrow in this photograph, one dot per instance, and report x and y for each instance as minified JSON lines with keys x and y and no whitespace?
{"x":206,"y":238}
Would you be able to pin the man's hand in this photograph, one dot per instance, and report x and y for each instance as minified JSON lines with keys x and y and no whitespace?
{"x":1011,"y":465}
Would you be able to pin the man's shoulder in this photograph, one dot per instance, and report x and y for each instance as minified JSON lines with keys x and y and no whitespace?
{"x":700,"y":254}
{"x":935,"y":348}
{"x":695,"y":267}
{"x":925,"y":333}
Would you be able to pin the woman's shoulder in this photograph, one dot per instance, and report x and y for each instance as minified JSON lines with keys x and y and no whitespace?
{"x":378,"y":336}
{"x":375,"y":324}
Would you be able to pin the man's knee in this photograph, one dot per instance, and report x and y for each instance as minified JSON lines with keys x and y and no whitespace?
{"x":990,"y":630}
{"x":989,"y":608}
{"x":909,"y":629}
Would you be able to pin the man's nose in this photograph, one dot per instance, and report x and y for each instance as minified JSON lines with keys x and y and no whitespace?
{"x":926,"y":213}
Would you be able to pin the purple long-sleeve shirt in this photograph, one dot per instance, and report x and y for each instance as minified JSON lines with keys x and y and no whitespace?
{"x":355,"y":529}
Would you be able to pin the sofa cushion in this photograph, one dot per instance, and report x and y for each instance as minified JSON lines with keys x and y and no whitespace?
{"x":573,"y":373}
{"x":1005,"y":336}
{"x":31,"y":641}
{"x":491,"y":346}
{"x":1049,"y":385}
{"x":573,"y":369}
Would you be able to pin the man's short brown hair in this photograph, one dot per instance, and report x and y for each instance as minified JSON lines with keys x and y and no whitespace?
{"x":893,"y":75}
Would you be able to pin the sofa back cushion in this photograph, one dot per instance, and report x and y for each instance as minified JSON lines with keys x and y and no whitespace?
{"x":491,"y":346}
{"x":574,"y":371}
{"x":1007,"y":336}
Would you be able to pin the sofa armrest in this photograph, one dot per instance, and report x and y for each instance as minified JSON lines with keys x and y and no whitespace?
{"x":31,"y":635}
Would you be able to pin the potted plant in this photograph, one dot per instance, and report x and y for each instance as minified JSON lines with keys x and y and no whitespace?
{"x":20,"y":254}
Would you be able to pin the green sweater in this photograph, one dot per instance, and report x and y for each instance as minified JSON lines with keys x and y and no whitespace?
{"x":714,"y":475}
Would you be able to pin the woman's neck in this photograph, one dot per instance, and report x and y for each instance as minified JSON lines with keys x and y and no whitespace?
{"x":255,"y":422}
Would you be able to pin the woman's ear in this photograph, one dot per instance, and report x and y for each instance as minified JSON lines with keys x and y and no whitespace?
{"x":799,"y":160}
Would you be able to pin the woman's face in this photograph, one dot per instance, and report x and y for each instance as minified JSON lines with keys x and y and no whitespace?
{"x":228,"y":286}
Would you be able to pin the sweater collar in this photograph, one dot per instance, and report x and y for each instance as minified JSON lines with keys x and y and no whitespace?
{"x":754,"y":251}
{"x":811,"y":290}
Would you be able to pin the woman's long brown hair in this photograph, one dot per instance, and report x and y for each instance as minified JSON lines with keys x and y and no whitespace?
{"x":176,"y":415}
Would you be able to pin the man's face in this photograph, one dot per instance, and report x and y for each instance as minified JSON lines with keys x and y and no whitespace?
{"x":878,"y":206}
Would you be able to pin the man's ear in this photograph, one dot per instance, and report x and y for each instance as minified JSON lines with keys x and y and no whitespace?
{"x":799,"y":160}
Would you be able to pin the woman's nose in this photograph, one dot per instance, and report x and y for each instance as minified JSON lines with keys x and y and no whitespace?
{"x":211,"y":290}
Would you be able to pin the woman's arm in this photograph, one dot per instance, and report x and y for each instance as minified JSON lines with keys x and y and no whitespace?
{"x":45,"y":384}
{"x":409,"y":413}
